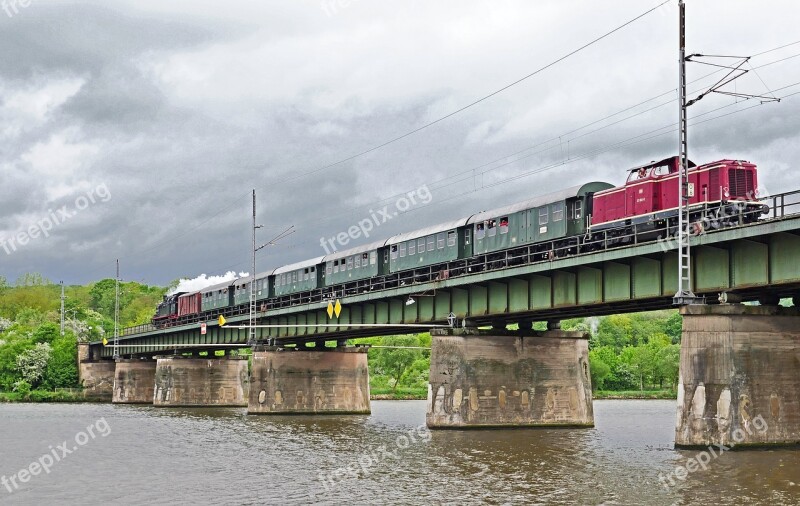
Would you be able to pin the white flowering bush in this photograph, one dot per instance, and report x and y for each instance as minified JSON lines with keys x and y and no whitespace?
{"x":32,"y":363}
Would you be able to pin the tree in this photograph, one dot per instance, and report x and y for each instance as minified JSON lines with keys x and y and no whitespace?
{"x":31,"y":364}
{"x":62,"y":368}
{"x":32,"y":279}
{"x":394,"y":363}
{"x":599,"y":370}
{"x":615,"y":331}
{"x":674,"y":327}
{"x":668,"y":363}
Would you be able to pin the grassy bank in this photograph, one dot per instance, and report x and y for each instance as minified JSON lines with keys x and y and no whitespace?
{"x":635,"y":394}
{"x":401,"y":394}
{"x":42,"y":396}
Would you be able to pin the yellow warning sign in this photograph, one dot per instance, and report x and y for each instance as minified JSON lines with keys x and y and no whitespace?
{"x":337,"y":308}
{"x":330,"y":310}
{"x":221,"y":320}
{"x":105,"y":342}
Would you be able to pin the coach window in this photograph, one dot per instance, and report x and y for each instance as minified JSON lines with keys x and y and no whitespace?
{"x":480,"y":231}
{"x":543,"y":218}
{"x":578,"y":206}
{"x":451,"y":238}
{"x":373,"y":258}
{"x":504,"y":225}
{"x":466,"y":236}
{"x":305,"y":274}
{"x":491,"y":228}
{"x":402,"y":250}
{"x":394,"y":251}
{"x":335,"y":266}
{"x":294,"y":277}
{"x":412,"y":248}
{"x":357,"y":262}
{"x":440,"y":240}
{"x":328,"y":268}
{"x":431,"y":243}
{"x":349,"y":263}
{"x":558,"y":212}
{"x":420,"y":246}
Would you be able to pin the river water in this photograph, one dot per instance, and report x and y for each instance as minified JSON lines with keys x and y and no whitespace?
{"x":144,"y":455}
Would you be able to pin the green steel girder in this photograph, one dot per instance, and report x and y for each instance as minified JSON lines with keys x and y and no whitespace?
{"x":748,"y":260}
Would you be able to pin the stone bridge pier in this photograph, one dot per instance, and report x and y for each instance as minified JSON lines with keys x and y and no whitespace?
{"x":134,"y":381}
{"x":96,"y":375}
{"x":302,"y":381}
{"x":739,"y":376}
{"x":200,"y":381}
{"x":499,"y":378}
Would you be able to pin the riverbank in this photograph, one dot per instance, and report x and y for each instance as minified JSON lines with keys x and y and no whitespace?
{"x":401,"y":394}
{"x":635,"y":394}
{"x":43,"y":396}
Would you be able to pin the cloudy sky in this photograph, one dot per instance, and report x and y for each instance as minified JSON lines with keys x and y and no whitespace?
{"x":152,"y":120}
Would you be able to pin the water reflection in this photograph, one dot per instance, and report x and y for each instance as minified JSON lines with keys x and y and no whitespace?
{"x":191,"y":455}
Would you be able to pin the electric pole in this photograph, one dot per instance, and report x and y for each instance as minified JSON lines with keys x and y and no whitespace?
{"x":684,"y":295}
{"x":251,"y":339}
{"x":116,"y":314}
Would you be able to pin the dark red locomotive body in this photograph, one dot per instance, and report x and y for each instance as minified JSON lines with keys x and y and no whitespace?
{"x":651,"y":193}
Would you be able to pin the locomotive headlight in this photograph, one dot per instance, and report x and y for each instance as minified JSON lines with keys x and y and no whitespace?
{"x":726,"y":193}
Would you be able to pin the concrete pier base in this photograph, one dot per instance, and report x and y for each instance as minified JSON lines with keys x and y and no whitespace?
{"x":97,"y":379}
{"x":739,"y":376}
{"x":134,"y":381}
{"x":289,"y":381}
{"x":194,"y":381}
{"x":483,"y":379}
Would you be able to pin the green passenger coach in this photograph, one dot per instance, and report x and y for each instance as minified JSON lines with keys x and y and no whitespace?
{"x":545,"y":218}
{"x":354,"y":264}
{"x":298,"y":277}
{"x":429,"y":246}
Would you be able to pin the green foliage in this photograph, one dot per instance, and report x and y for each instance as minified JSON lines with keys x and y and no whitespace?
{"x":400,"y":367}
{"x":32,"y":363}
{"x":599,"y":370}
{"x":62,"y":368}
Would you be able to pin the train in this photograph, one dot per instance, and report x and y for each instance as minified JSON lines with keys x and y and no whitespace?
{"x":574,"y":220}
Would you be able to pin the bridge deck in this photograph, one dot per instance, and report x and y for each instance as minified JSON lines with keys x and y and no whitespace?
{"x":750,"y":260}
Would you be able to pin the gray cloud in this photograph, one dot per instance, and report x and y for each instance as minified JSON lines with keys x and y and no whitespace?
{"x":182,"y":107}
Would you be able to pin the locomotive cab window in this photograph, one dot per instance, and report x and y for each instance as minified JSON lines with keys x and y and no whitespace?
{"x":504,"y":225}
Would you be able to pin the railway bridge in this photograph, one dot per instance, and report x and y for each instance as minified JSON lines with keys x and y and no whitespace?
{"x":738,"y":360}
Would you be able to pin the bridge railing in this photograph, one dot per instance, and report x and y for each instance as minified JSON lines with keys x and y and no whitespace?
{"x":736,"y":213}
